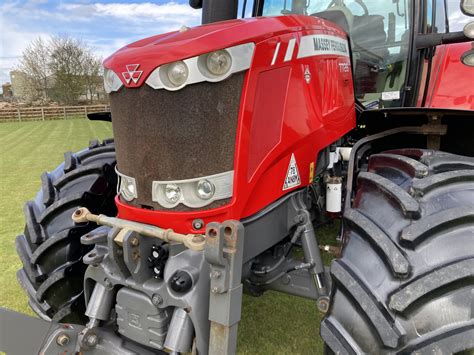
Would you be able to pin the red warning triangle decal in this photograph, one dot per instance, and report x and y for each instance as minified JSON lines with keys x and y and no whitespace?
{"x":292,"y":176}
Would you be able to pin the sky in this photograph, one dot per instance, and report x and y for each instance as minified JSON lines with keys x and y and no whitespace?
{"x":105,"y":25}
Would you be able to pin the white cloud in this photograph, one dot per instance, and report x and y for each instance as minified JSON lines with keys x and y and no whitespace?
{"x":13,"y":41}
{"x":136,"y":12}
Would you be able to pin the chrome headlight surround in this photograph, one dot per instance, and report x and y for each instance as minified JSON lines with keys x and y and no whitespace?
{"x":123,"y":186}
{"x":241,"y":58}
{"x":222,"y":183}
{"x":112,"y":81}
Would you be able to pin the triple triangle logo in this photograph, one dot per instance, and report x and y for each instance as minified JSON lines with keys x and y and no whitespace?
{"x":292,"y":176}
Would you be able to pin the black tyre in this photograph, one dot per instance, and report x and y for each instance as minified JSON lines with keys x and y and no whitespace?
{"x":50,"y":248}
{"x":405,"y":281}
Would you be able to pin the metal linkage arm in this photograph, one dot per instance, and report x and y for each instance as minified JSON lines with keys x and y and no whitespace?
{"x":191,"y":241}
{"x":223,"y":251}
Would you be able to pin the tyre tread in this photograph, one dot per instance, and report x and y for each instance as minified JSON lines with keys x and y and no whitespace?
{"x":408,"y":204}
{"x":429,"y":282}
{"x":42,"y":271}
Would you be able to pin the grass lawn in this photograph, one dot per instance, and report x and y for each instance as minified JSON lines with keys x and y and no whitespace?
{"x":271,"y":324}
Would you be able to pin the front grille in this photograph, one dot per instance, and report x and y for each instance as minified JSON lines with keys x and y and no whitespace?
{"x":162,"y":135}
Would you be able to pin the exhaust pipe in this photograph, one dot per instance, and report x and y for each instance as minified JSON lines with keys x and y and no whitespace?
{"x":216,"y":10}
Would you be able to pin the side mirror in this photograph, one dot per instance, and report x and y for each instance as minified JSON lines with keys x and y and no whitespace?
{"x":467,"y":7}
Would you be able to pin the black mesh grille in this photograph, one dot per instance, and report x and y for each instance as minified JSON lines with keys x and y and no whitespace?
{"x":163,"y":135}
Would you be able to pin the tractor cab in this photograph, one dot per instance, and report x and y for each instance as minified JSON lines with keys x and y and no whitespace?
{"x":394,"y":60}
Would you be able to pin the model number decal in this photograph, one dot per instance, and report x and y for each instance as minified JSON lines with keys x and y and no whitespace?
{"x":344,"y":67}
{"x":314,"y":45}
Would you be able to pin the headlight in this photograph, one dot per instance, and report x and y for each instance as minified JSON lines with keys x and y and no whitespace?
{"x":177,"y":73}
{"x":214,"y":66}
{"x":219,"y":62}
{"x":205,"y":189}
{"x":127,"y":187}
{"x":468,"y":58}
{"x":112,"y":81}
{"x":194,"y":193}
{"x":172,"y":193}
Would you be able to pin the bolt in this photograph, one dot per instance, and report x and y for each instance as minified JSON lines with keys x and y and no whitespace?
{"x":135,"y":255}
{"x":134,"y":242}
{"x":92,"y":340}
{"x":78,"y":212}
{"x":286,"y":280}
{"x":62,"y":339}
{"x":215,"y":274}
{"x":108,"y":284}
{"x":299,"y":219}
{"x":214,"y":290}
{"x":198,"y":224}
{"x":157,"y":300}
{"x":323,"y":304}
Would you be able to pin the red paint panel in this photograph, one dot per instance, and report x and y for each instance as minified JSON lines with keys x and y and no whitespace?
{"x":266,"y":126}
{"x":451,"y":81}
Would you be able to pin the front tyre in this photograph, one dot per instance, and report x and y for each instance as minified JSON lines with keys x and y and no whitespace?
{"x":50,"y":248}
{"x":405,"y":281}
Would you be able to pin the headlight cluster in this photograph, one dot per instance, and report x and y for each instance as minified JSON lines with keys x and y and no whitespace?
{"x":212,"y":67}
{"x":112,"y":81}
{"x":193,"y":193}
{"x":127,"y":187}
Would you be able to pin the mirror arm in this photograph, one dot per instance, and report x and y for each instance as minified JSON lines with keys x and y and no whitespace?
{"x":435,"y":39}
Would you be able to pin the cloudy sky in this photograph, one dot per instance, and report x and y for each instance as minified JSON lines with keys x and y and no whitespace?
{"x":105,"y":25}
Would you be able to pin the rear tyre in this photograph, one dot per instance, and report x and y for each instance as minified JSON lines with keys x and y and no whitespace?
{"x":405,"y":281}
{"x":50,"y":248}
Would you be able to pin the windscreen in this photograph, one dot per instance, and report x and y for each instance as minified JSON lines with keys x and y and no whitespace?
{"x":379,"y":32}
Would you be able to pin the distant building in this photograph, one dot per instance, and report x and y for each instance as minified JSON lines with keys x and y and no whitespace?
{"x":19,"y":85}
{"x":7,"y":91}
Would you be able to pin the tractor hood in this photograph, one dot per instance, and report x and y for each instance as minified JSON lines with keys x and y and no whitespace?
{"x":146,"y":55}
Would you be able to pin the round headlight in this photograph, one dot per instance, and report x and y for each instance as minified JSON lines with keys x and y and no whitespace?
{"x":109,"y":77}
{"x":219,"y":62}
{"x":468,"y":58}
{"x":172,"y":193}
{"x":205,"y":189}
{"x":111,"y":81}
{"x":178,"y":73}
{"x":127,"y":189}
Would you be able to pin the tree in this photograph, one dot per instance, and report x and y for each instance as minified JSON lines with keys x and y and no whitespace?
{"x":63,"y":69}
{"x":92,"y":75}
{"x":67,"y":64}
{"x":35,"y":65}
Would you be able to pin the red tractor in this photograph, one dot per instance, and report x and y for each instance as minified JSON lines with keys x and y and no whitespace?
{"x":235,"y":140}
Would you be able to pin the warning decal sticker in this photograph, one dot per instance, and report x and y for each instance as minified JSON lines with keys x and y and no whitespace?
{"x":292,"y":176}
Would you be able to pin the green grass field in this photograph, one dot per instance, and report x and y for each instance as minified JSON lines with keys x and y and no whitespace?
{"x":271,"y":324}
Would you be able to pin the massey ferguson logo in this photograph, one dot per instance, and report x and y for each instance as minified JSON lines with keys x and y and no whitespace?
{"x":132,"y":74}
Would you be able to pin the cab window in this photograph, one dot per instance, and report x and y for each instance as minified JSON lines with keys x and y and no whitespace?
{"x":379,"y":31}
